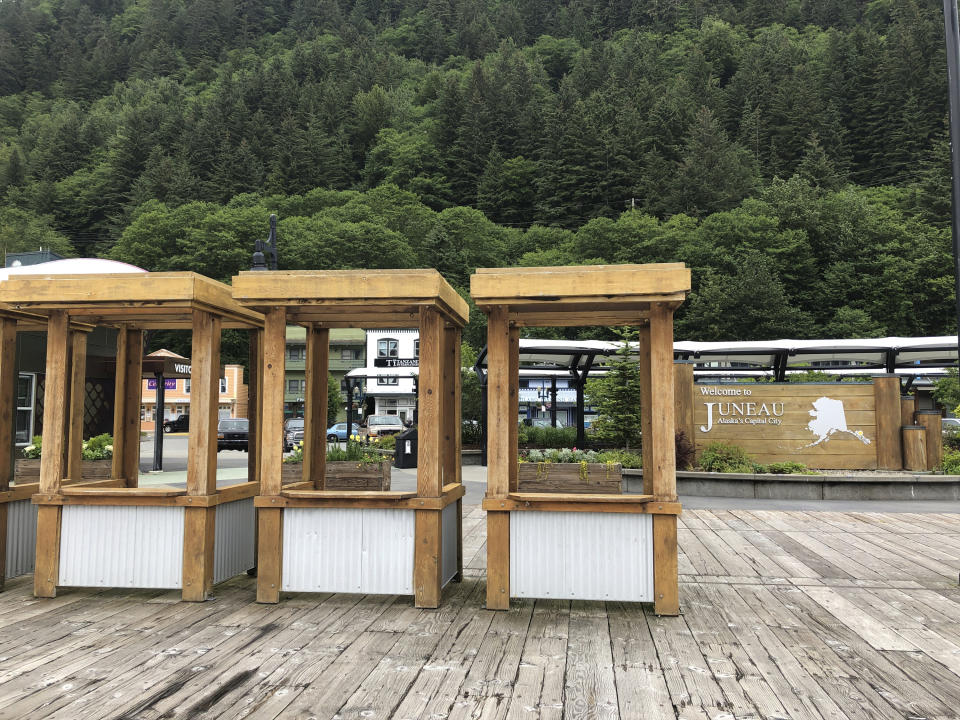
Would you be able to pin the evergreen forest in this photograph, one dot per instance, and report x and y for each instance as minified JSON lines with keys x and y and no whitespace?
{"x":794,"y":153}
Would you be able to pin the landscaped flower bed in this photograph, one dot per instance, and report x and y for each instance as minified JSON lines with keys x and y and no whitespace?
{"x":572,"y":470}
{"x":97,"y":460}
{"x":358,"y":467}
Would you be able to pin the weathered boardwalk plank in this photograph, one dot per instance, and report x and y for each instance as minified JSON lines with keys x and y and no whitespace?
{"x":801,"y":615}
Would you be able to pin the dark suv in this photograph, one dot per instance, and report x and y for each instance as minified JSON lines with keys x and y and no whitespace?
{"x":232,"y":434}
{"x":179,"y":424}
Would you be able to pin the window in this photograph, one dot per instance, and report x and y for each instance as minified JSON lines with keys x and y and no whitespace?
{"x":386,"y":381}
{"x":223,"y":386}
{"x":25,"y":403}
{"x":296,"y":352}
{"x":346,"y":354}
{"x":296,"y":386}
{"x":416,"y":348}
{"x":387,"y":348}
{"x":186,"y":386}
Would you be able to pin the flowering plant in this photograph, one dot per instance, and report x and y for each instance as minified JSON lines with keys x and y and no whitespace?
{"x":99,"y":447}
{"x":32,"y":450}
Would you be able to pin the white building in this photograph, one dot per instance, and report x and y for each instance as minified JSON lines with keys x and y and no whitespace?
{"x":390,"y":350}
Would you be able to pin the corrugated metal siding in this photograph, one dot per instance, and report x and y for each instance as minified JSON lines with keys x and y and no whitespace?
{"x":21,"y":538}
{"x":121,"y":546}
{"x":584,"y":556}
{"x":362,"y":550}
{"x":234,"y":544}
{"x":449,"y":531}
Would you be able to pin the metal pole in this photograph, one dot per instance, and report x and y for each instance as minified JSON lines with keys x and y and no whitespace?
{"x":158,"y":424}
{"x":483,"y":415}
{"x":952,"y":30}
{"x":553,"y":401}
{"x":349,"y":408}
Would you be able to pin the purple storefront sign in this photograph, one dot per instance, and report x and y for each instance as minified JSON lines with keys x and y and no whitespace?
{"x":168,"y":384}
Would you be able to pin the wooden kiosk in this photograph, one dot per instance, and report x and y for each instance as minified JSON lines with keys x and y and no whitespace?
{"x":114,"y":533}
{"x":568,"y":545}
{"x":316,"y":540}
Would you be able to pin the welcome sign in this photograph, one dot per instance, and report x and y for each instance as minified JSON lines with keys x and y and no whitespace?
{"x":828,"y":425}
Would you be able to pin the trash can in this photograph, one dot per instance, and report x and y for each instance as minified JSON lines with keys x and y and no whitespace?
{"x":405,"y":451}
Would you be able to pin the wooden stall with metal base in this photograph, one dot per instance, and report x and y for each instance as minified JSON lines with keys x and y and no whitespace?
{"x":316,"y":540}
{"x":582,"y":546}
{"x":114,"y":533}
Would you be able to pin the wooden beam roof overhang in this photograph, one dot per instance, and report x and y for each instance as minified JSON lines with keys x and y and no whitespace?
{"x":145,"y":301}
{"x":577,"y":296}
{"x":352,"y":298}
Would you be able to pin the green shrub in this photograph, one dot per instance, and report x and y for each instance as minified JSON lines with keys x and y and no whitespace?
{"x":353,"y":452}
{"x":951,"y":462}
{"x":385,"y":442}
{"x":951,"y":439}
{"x":685,"y":452}
{"x":99,"y":447}
{"x":546,"y":437}
{"x":788,"y":468}
{"x":724,"y":457}
{"x":470,"y":433}
{"x":33,"y":450}
{"x":627,"y":459}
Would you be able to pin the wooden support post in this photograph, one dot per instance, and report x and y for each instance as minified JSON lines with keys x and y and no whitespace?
{"x":513,"y":412}
{"x":932,"y":423}
{"x":199,"y":523}
{"x":270,"y":520}
{"x":498,"y":560}
{"x":683,"y":399}
{"x":914,"y":447}
{"x":908,"y":406}
{"x":254,"y":381}
{"x":666,"y":593}
{"x":47,"y":569}
{"x":199,"y":530}
{"x":8,"y":381}
{"x":126,"y":406}
{"x":315,"y":415}
{"x":204,"y":404}
{"x":501,"y":455}
{"x":886,"y":392}
{"x":663,"y":455}
{"x":452,"y":472}
{"x":427,"y":561}
{"x":646,"y":401}
{"x":269,"y":553}
{"x":78,"y":397}
{"x":451,"y":406}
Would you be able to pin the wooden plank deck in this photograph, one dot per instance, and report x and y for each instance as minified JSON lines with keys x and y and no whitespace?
{"x":785,"y":615}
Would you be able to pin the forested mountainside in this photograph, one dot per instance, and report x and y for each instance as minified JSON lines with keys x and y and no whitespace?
{"x":793,"y":152}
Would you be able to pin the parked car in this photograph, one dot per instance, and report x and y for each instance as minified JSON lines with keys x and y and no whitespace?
{"x":233,"y":434}
{"x":292,"y":433}
{"x":339,"y":432}
{"x":379,"y":425}
{"x":181,"y":423}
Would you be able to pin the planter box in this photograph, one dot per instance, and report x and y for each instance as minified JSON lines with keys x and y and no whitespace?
{"x":345,"y":475}
{"x":27,"y":470}
{"x":570,"y":477}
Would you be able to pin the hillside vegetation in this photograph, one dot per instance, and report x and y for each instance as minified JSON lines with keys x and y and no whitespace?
{"x":792,"y":152}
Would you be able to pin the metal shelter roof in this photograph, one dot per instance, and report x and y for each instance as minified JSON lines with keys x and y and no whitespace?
{"x":886,"y":355}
